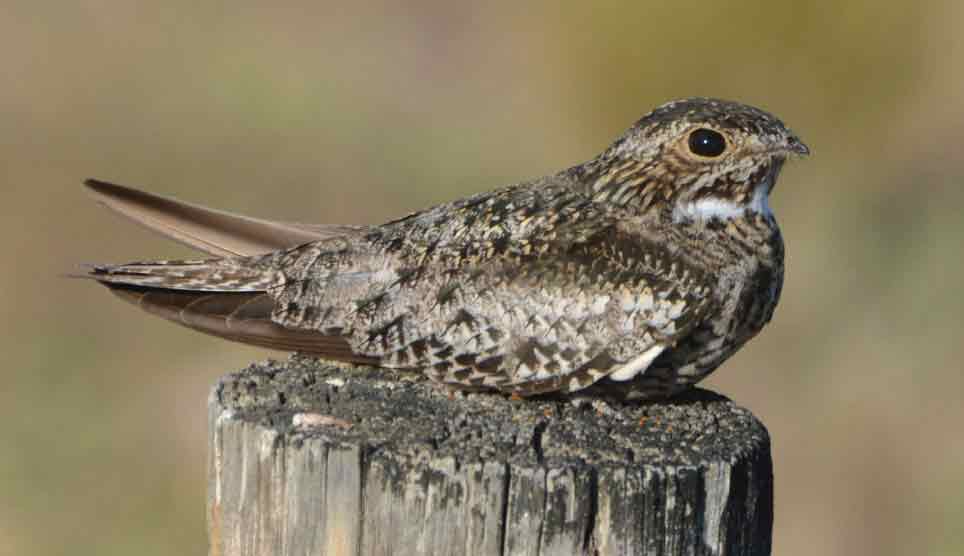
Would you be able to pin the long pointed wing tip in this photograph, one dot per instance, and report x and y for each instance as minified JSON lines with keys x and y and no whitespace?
{"x":215,"y":232}
{"x":99,"y":186}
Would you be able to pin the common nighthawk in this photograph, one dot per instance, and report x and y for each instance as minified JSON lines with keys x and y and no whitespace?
{"x":632,"y":275}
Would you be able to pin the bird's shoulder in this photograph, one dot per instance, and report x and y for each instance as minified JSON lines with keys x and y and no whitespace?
{"x":525,"y":217}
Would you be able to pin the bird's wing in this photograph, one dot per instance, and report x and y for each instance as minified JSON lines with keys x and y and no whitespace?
{"x":526,"y":295}
{"x":546,"y":300}
{"x":212,"y":231}
{"x":607,"y":307}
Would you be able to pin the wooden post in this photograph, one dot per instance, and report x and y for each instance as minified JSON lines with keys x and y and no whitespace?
{"x":313,"y":458}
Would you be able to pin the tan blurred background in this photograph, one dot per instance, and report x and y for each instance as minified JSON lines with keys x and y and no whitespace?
{"x":331,"y":112}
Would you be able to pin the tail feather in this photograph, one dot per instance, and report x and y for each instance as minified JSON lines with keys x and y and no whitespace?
{"x":224,"y":297}
{"x":215,"y":275}
{"x":237,"y":316}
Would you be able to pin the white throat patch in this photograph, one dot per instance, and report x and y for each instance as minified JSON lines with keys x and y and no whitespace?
{"x":709,"y":208}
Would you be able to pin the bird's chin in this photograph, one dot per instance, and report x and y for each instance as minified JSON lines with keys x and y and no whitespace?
{"x":760,"y":201}
{"x":773,"y":172}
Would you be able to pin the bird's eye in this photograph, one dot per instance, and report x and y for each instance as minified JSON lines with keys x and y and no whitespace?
{"x":708,"y":143}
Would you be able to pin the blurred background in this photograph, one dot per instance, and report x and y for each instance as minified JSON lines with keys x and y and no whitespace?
{"x":340,"y":112}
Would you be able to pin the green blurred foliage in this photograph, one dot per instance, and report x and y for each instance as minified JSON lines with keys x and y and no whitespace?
{"x":335,"y":112}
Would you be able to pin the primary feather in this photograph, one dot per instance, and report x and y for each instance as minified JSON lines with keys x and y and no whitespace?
{"x":212,"y":231}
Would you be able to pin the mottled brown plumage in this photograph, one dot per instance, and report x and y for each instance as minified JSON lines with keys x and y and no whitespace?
{"x":632,"y":275}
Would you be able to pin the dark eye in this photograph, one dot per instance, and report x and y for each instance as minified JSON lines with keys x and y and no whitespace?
{"x":708,"y":143}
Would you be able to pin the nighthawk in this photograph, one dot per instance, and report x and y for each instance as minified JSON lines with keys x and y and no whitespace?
{"x":632,"y":275}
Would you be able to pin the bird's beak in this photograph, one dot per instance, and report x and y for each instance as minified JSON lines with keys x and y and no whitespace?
{"x":795,"y":146}
{"x":784,"y":145}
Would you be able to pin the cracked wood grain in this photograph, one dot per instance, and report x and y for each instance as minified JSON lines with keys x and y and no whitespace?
{"x":311,"y":458}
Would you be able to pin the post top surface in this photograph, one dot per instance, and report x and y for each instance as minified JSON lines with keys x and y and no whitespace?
{"x":412,"y":417}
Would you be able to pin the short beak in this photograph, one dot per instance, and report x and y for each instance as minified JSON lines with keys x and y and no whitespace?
{"x":796,"y":146}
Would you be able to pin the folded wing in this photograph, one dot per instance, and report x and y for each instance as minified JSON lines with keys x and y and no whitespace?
{"x":212,"y":231}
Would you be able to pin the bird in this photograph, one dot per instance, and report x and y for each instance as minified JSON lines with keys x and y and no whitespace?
{"x":633,"y":275}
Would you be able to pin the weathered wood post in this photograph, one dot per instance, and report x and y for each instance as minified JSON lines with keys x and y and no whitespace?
{"x":311,"y":458}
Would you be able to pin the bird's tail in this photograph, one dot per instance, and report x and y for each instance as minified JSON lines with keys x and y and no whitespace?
{"x":212,"y":275}
{"x":217,"y":297}
{"x":226,"y":297}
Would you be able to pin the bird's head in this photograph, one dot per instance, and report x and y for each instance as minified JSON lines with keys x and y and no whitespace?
{"x":699,"y":157}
